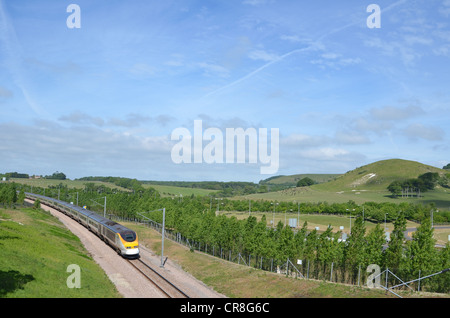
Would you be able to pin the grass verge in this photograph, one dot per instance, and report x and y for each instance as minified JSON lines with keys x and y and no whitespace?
{"x":36,"y":252}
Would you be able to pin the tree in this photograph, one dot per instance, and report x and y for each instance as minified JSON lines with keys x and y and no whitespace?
{"x":421,"y":252}
{"x":429,"y":180}
{"x":447,"y":167}
{"x":328,"y":250}
{"x":249,"y":235}
{"x":260,"y":235}
{"x":305,"y":182}
{"x":57,"y":176}
{"x":423,"y":183}
{"x":374,"y":248}
{"x":21,"y":197}
{"x":286,"y":243}
{"x":8,"y":194}
{"x":443,"y":280}
{"x":299,"y":239}
{"x":394,"y":253}
{"x":354,"y":250}
{"x":37,"y":204}
{"x":311,"y":245}
{"x":395,"y":188}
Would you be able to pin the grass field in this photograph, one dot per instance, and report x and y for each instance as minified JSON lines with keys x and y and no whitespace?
{"x":440,"y":196}
{"x":36,"y":250}
{"x":173,"y":190}
{"x":293,"y":179}
{"x":74,"y":184}
{"x":78,"y":184}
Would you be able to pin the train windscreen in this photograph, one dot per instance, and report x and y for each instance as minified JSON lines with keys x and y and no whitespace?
{"x":128,"y":236}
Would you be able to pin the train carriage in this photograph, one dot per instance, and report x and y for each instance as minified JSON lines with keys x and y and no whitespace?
{"x":119,"y":237}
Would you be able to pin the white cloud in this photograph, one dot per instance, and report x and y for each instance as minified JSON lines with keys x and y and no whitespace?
{"x":351,"y":138}
{"x":80,"y":118}
{"x":291,"y":38}
{"x":214,"y":69}
{"x":303,"y":141}
{"x":445,"y":8}
{"x":176,"y":60}
{"x":47,"y":146}
{"x":142,"y":70}
{"x":5,"y":93}
{"x":130,"y":120}
{"x":331,"y":56}
{"x":366,"y":125}
{"x":335,"y":60}
{"x":396,"y":113}
{"x":326,"y":154}
{"x":257,"y":2}
{"x":407,"y":54}
{"x":420,"y":131}
{"x":263,"y":56}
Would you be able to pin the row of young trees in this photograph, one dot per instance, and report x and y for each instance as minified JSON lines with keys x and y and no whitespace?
{"x":9,"y":196}
{"x":323,"y":250}
{"x":195,"y":218}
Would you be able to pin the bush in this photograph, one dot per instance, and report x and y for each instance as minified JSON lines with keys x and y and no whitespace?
{"x":37,"y":204}
{"x":305,"y":182}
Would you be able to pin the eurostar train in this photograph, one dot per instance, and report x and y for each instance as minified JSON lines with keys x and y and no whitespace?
{"x":119,"y":237}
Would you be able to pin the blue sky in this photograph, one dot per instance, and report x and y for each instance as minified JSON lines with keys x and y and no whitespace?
{"x":104,"y":99}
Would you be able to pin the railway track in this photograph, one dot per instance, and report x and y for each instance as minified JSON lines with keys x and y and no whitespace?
{"x":162,"y":283}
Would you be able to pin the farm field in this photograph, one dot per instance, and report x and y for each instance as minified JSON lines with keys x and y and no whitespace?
{"x":166,"y":190}
{"x":74,"y":184}
{"x":80,"y":184}
{"x":440,"y":196}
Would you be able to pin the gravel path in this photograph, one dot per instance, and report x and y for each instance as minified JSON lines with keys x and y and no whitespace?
{"x":127,"y":279}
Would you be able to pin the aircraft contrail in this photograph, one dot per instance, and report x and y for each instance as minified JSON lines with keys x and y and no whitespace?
{"x":282,"y":57}
{"x":12,"y":51}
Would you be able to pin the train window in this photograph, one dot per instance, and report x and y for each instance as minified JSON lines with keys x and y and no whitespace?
{"x":128,"y":236}
{"x":110,"y":234}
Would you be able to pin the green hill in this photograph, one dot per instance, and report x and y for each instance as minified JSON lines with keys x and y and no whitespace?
{"x":378,"y":175}
{"x":363,"y":184}
{"x":291,"y":181}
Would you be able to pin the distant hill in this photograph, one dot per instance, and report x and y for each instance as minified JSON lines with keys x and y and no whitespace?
{"x":293,"y":179}
{"x":379,"y":175}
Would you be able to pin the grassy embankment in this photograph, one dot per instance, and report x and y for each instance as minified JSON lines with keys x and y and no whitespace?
{"x":36,"y":250}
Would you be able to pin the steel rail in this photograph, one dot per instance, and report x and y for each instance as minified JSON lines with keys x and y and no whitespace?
{"x":166,"y":282}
